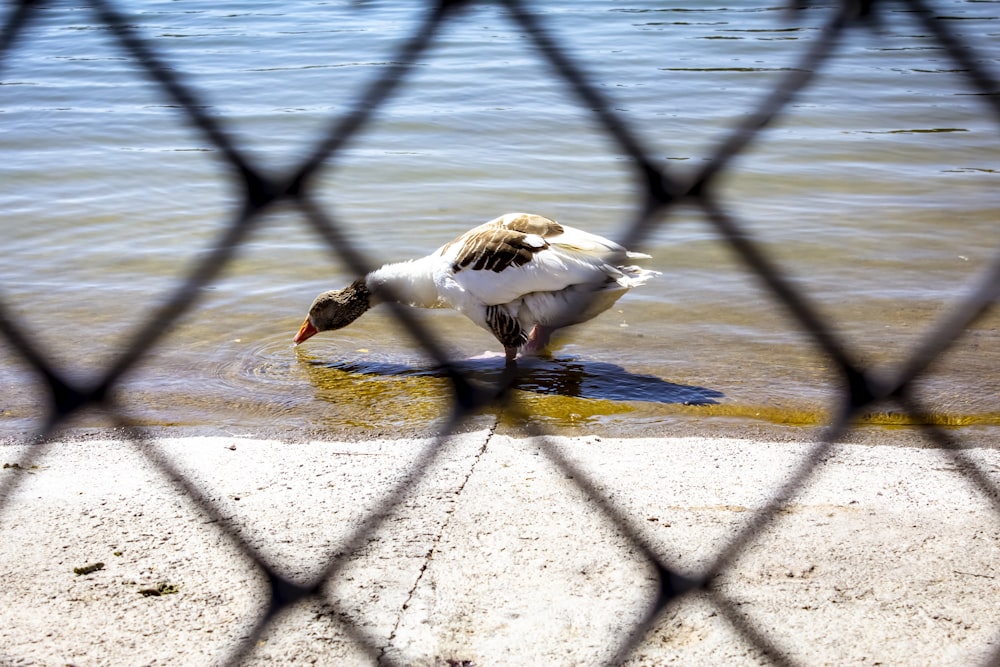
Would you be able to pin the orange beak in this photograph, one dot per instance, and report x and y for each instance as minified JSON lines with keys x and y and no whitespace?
{"x":306,"y":331}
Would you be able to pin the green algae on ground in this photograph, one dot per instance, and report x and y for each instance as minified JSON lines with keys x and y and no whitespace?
{"x":804,"y":416}
{"x":162,"y":588}
{"x":88,"y":569}
{"x":557,"y":410}
{"x":371,"y":401}
{"x":18,"y":466}
{"x":807,"y":416}
{"x":891,"y":418}
{"x":562,"y":411}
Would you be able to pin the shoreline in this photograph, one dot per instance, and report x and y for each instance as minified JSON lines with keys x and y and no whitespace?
{"x":496,"y":555}
{"x":978,"y":436}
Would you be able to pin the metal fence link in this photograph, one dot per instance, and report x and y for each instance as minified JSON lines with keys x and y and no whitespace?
{"x":662,"y":192}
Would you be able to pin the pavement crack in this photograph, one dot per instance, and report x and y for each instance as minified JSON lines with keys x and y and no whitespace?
{"x":442,"y":529}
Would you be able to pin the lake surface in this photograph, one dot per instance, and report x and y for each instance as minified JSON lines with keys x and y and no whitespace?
{"x":877,"y":191}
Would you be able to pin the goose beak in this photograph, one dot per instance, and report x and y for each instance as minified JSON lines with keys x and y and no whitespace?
{"x":306,"y":331}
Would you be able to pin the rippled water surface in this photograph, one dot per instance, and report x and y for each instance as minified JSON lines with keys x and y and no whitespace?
{"x":877,"y":191}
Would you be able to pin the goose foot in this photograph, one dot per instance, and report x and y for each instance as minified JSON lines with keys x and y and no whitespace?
{"x":538,"y":340}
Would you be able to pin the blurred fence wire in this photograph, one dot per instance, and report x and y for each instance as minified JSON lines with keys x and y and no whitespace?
{"x":662,"y":191}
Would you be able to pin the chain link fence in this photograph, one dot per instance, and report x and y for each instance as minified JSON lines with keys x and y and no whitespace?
{"x":662,"y":193}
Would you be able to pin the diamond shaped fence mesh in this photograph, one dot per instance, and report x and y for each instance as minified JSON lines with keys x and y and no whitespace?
{"x":662,"y":192}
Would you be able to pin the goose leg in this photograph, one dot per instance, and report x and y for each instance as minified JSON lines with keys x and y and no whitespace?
{"x":507,"y":330}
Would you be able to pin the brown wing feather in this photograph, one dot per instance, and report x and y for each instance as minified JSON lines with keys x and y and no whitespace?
{"x":532,"y":224}
{"x":502,"y":243}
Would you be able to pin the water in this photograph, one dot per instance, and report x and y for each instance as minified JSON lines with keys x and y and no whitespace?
{"x":877,"y":191}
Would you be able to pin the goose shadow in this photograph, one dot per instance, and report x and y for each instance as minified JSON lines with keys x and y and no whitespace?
{"x":563,"y":376}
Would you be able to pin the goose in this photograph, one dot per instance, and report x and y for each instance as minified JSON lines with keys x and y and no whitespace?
{"x":520,"y":276}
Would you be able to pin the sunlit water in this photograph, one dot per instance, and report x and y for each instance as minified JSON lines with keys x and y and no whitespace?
{"x":877,"y":191}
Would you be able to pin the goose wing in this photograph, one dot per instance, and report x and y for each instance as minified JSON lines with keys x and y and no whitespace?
{"x":520,"y":253}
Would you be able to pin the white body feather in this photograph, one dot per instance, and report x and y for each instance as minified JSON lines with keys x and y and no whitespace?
{"x":562,"y":276}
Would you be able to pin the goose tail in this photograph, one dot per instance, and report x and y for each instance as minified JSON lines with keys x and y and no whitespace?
{"x":633,"y":276}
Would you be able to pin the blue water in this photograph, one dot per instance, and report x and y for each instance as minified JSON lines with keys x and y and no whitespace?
{"x":876,"y":190}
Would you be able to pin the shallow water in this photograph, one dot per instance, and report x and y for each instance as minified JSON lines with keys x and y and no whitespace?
{"x":876,"y":191}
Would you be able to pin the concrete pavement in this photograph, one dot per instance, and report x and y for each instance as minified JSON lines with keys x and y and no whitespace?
{"x":496,"y":556}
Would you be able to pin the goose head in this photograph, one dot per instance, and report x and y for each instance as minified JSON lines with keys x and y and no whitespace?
{"x":335,"y":310}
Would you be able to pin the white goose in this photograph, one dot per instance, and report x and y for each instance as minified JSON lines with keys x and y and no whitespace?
{"x":520,"y":277}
